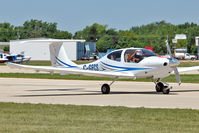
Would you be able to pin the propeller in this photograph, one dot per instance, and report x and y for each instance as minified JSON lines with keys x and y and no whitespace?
{"x":173,"y":61}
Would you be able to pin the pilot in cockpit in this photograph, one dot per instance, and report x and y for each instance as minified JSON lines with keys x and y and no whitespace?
{"x":135,"y":57}
{"x":139,"y":55}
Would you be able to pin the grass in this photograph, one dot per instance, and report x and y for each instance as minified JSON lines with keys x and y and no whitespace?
{"x":185,"y":78}
{"x":2,"y":64}
{"x":40,"y":118}
{"x":188,"y":64}
{"x":82,"y":62}
{"x":38,"y":63}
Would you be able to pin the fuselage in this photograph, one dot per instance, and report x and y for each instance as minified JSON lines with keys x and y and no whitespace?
{"x":141,"y":63}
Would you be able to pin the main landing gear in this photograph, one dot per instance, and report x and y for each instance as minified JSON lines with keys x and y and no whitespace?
{"x":162,"y":87}
{"x":105,"y":89}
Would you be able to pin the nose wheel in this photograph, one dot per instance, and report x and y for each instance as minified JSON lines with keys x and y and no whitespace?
{"x":160,"y":87}
{"x":166,"y":90}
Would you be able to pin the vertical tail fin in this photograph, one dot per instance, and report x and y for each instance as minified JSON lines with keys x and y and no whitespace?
{"x":58,"y":56}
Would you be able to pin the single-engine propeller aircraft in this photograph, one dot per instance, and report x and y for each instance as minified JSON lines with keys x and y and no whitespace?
{"x":127,"y":63}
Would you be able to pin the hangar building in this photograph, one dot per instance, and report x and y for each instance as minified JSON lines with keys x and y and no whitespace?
{"x":39,"y":49}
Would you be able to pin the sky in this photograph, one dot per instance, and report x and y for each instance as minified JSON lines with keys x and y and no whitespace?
{"x":74,"y":15}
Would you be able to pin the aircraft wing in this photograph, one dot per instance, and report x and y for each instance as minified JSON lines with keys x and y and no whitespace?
{"x":185,"y":69}
{"x":73,"y":71}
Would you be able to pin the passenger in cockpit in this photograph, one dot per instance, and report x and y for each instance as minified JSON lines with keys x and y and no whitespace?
{"x":136,"y":55}
{"x":132,"y":57}
{"x":139,"y":56}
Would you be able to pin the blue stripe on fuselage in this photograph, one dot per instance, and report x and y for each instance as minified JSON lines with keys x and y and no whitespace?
{"x":125,"y":68}
{"x":64,"y":63}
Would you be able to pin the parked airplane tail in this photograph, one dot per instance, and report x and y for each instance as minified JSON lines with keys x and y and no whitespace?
{"x":58,"y":56}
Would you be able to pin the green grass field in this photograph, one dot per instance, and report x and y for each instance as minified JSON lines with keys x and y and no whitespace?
{"x":40,"y":118}
{"x":188,"y":64}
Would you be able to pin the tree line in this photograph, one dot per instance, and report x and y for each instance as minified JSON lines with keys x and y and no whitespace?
{"x":150,"y":35}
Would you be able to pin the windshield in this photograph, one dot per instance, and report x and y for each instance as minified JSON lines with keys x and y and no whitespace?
{"x":136,"y":55}
{"x":147,"y":53}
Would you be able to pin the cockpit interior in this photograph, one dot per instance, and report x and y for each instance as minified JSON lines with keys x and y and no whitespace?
{"x":130,"y":55}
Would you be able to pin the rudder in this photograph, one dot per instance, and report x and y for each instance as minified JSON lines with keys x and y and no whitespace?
{"x":58,"y":56}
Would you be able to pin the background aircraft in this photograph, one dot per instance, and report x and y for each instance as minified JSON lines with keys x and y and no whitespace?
{"x":127,"y":63}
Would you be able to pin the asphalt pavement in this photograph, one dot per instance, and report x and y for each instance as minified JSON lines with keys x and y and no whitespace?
{"x":84,"y":92}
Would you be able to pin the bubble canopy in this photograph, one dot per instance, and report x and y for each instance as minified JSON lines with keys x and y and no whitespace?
{"x":131,"y":55}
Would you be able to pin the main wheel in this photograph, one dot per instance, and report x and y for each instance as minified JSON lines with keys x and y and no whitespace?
{"x":105,"y":89}
{"x":159,"y":87}
{"x":165,"y":90}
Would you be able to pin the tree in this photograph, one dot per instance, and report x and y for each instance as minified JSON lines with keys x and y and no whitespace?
{"x":127,"y":39}
{"x":62,"y":35}
{"x":37,"y":29}
{"x":153,"y":34}
{"x":181,"y":43}
{"x":91,"y":33}
{"x":7,"y":32}
{"x":104,"y":43}
{"x":191,"y":34}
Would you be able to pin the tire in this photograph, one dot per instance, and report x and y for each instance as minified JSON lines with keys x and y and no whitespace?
{"x":105,"y":89}
{"x":165,"y":90}
{"x":159,"y":87}
{"x":192,"y":58}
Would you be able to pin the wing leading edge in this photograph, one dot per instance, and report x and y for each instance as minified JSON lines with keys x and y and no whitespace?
{"x":185,"y":69}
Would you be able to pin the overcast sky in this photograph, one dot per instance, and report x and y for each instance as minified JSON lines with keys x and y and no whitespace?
{"x":74,"y":15}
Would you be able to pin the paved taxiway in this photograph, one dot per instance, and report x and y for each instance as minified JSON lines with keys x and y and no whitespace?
{"x":130,"y":94}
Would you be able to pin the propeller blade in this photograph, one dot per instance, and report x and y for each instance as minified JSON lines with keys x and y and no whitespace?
{"x":168,"y":49}
{"x":177,"y":75}
{"x":173,"y":62}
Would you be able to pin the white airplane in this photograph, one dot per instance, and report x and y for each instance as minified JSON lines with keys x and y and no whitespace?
{"x":127,"y":63}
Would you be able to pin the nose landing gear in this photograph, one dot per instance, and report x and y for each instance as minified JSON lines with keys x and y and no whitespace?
{"x":162,"y":87}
